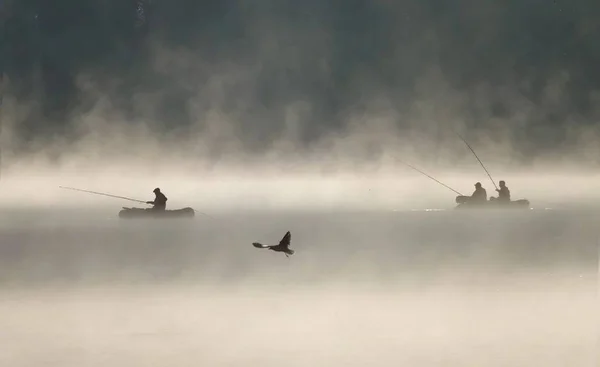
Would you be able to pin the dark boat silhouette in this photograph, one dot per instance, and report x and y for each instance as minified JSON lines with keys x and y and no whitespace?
{"x":151,"y":213}
{"x":493,"y":203}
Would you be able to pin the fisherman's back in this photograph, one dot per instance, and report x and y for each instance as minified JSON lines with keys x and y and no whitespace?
{"x":504,"y":194}
{"x":480,"y":195}
{"x":160,"y":202}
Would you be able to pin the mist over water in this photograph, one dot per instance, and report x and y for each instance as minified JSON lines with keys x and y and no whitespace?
{"x":376,"y":279}
{"x":274,"y":116}
{"x":378,"y":287}
{"x":228,"y":79}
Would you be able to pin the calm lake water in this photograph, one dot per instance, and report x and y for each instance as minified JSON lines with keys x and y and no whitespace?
{"x":444,"y":288}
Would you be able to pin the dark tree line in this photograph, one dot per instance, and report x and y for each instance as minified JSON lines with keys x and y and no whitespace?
{"x":46,"y":44}
{"x":374,"y":46}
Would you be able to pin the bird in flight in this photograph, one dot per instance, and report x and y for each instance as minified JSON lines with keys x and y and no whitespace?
{"x":284,"y":245}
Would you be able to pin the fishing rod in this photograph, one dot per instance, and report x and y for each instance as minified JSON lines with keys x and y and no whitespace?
{"x":103,"y":194}
{"x":480,"y":162}
{"x":121,"y":197}
{"x":423,"y":173}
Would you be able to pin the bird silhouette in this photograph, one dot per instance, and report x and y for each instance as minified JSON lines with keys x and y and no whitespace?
{"x":283,"y":246}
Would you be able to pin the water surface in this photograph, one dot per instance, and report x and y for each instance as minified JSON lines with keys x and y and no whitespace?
{"x":444,"y":288}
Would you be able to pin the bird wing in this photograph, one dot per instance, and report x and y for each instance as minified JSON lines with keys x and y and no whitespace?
{"x":285,"y":241}
{"x":259,"y":245}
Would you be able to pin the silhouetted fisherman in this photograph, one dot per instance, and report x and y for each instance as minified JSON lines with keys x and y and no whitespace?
{"x":503,"y":193}
{"x":284,"y":245}
{"x":160,"y":200}
{"x":479,"y":195}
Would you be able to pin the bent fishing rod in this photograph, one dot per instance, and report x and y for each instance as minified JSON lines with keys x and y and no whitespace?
{"x":425,"y":174}
{"x":480,"y":162}
{"x":120,"y":197}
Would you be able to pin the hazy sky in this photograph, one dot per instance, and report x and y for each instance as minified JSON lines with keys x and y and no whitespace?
{"x":522,"y":70}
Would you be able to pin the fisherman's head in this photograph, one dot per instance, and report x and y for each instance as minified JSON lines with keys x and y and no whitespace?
{"x":502,"y":183}
{"x":478,"y":185}
{"x":156,"y":190}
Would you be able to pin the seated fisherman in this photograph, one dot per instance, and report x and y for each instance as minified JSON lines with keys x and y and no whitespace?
{"x":160,"y":200}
